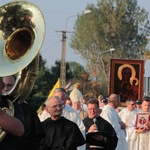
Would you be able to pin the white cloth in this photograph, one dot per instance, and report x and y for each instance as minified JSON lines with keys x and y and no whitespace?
{"x":76,"y":95}
{"x":109,"y":113}
{"x":44,"y":115}
{"x":140,"y":141}
{"x":127,"y":117}
{"x":84,"y":107}
{"x":72,"y":115}
{"x":143,"y":141}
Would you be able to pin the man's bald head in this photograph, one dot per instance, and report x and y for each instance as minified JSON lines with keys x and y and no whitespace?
{"x":61,"y":93}
{"x":54,"y":107}
{"x":114,"y":99}
{"x":52,"y":99}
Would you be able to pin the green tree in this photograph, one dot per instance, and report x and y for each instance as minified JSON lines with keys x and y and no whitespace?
{"x":73,"y":70}
{"x":55,"y":70}
{"x":76,"y":70}
{"x":46,"y":79}
{"x":78,"y":75}
{"x":120,"y":24}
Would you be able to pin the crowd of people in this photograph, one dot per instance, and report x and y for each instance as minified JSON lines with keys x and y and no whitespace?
{"x":109,"y":126}
{"x":68,"y":122}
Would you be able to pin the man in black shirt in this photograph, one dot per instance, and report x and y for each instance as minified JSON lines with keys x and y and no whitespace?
{"x":12,"y":125}
{"x":100,"y":135}
{"x":61,"y":133}
{"x":34,"y":131}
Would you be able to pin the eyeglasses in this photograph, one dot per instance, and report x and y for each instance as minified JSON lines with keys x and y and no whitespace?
{"x":90,"y":109}
{"x":57,"y":106}
{"x":132,"y":104}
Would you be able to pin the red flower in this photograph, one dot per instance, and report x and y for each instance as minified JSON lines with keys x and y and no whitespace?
{"x":28,"y":18}
{"x":94,"y":72}
{"x":94,"y":85}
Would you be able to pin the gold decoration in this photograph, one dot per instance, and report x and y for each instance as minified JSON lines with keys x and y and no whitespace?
{"x":133,"y":77}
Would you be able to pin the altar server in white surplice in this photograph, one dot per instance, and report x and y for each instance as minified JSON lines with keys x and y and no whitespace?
{"x":110,"y":114}
{"x":127,"y":115}
{"x":141,"y":136}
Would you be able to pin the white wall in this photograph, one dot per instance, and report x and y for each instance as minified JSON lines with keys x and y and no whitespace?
{"x":147,"y":78}
{"x":147,"y":69}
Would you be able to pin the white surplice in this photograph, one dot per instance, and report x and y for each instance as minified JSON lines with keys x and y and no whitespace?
{"x":109,"y":113}
{"x":127,"y":117}
{"x":72,"y":115}
{"x":138,"y":141}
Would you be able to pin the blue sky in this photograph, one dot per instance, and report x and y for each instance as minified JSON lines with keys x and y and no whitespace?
{"x":55,"y":13}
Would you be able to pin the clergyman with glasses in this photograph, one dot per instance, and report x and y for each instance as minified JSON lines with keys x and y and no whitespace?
{"x":68,"y":112}
{"x":61,"y":133}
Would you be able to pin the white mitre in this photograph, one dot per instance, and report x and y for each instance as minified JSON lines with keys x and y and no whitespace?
{"x":76,"y":95}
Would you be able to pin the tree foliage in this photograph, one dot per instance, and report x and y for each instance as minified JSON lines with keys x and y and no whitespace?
{"x":46,"y":79}
{"x":76,"y":70}
{"x":79,"y":75}
{"x":120,"y":24}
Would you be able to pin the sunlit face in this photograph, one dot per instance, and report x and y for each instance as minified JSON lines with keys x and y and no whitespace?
{"x":9,"y":82}
{"x":54,"y":107}
{"x":145,"y":106}
{"x":130,"y":105}
{"x":93,"y":110}
{"x":76,"y":105}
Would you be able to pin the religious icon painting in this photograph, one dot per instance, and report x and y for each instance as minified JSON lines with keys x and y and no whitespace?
{"x":142,"y":119}
{"x":126,"y":78}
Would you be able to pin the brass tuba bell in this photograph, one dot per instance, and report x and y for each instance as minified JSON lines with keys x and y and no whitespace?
{"x":22,"y":31}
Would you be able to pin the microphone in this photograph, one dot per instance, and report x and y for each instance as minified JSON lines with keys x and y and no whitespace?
{"x":94,"y":120}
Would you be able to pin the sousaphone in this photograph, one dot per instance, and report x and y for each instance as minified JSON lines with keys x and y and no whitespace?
{"x":22,"y":31}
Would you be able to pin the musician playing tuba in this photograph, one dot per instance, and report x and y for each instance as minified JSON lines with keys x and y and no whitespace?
{"x":33,"y":129}
{"x":13,"y":125}
{"x":21,"y":22}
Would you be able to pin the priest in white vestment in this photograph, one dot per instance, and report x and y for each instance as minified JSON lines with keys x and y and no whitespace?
{"x":110,"y":114}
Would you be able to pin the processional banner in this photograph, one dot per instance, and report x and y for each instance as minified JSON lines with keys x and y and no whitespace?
{"x":126,"y":78}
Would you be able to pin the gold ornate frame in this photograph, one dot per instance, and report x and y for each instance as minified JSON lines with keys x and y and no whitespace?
{"x":136,"y":80}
